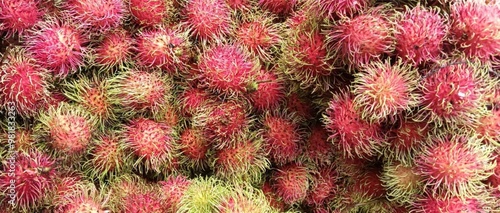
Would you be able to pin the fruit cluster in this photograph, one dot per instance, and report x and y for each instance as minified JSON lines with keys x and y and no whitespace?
{"x":246,"y":106}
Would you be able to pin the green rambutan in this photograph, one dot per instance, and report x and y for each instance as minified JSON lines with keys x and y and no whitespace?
{"x":291,"y":182}
{"x":243,"y":198}
{"x":282,"y":136}
{"x":202,"y":195}
{"x":402,"y":182}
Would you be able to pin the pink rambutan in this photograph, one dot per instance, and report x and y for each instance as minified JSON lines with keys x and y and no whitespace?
{"x":369,"y":185}
{"x":23,"y":84}
{"x":17,"y":16}
{"x":318,"y":150}
{"x":115,"y":50}
{"x":419,"y":35}
{"x":148,"y":201}
{"x":475,"y":28}
{"x":323,"y":187}
{"x":58,"y":47}
{"x":297,"y":103}
{"x":240,"y":5}
{"x":352,"y":135}
{"x":243,"y":198}
{"x":494,"y":179}
{"x":432,"y":204}
{"x":407,"y":140}
{"x":488,"y":128}
{"x":208,"y":19}
{"x":166,"y":48}
{"x":194,"y":148}
{"x":226,"y":69}
{"x":193,"y":99}
{"x":26,"y":179}
{"x":282,"y":137}
{"x":269,"y":91}
{"x":274,"y":201}
{"x":402,"y":182}
{"x":278,"y":7}
{"x":455,"y":165}
{"x":355,"y":44}
{"x":152,"y":12}
{"x":107,"y":156}
{"x":291,"y":182}
{"x":342,"y":8}
{"x":97,"y":16}
{"x":172,"y":191}
{"x":152,"y":144}
{"x":78,"y":196}
{"x":382,"y":91}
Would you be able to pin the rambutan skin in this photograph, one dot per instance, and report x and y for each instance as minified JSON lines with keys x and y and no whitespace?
{"x":269,"y":91}
{"x":17,"y":16}
{"x":282,"y":137}
{"x":279,"y":7}
{"x":97,"y":16}
{"x":291,"y":182}
{"x":151,"y":12}
{"x":208,"y":19}
{"x":173,"y":189}
{"x":341,"y":8}
{"x":115,"y":50}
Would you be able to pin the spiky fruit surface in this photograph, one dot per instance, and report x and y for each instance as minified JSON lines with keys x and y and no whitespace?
{"x":382,"y":91}
{"x":108,"y":157}
{"x":402,"y":182}
{"x":240,"y":5}
{"x":269,"y":90}
{"x":167,"y":48}
{"x":432,"y":204}
{"x":475,"y":28}
{"x":319,"y":150}
{"x":152,"y":143}
{"x":69,"y":128}
{"x":282,"y":137}
{"x":194,"y":147}
{"x":349,"y":132}
{"x":455,"y":165}
{"x":208,"y":19}
{"x":368,"y":185}
{"x":259,"y":35}
{"x":97,"y":16}
{"x":272,"y":198}
{"x":408,"y":139}
{"x":341,"y":8}
{"x":58,"y":47}
{"x":291,"y":182}
{"x":300,"y":105}
{"x":23,"y":84}
{"x":323,"y":187}
{"x":244,"y":161}
{"x":278,"y":7}
{"x":77,"y":196}
{"x":202,"y":195}
{"x":115,"y":50}
{"x":193,"y":99}
{"x":226,"y":69}
{"x":143,"y":202}
{"x":244,"y":199}
{"x":461,"y":99}
{"x":173,"y":189}
{"x":83,"y":205}
{"x":307,"y":60}
{"x":139,"y":90}
{"x":151,"y":12}
{"x":18,"y":16}
{"x":489,"y":127}
{"x":28,"y":177}
{"x":355,"y":44}
{"x":420,"y":34}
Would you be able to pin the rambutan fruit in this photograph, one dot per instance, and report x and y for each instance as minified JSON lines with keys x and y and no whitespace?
{"x":305,"y":59}
{"x":355,"y":44}
{"x":382,"y":91}
{"x":107,"y":156}
{"x":323,"y":187}
{"x":58,"y":47}
{"x":193,"y":99}
{"x":166,"y":48}
{"x":26,"y":179}
{"x":269,"y":90}
{"x":139,"y":91}
{"x":282,"y":136}
{"x":96,"y":16}
{"x":195,"y":148}
{"x":259,"y":35}
{"x":151,"y":143}
{"x":224,"y":122}
{"x":24,"y":139}
{"x":18,"y":16}
{"x":227,"y":70}
{"x":173,"y":189}
{"x":318,"y":150}
{"x":92,"y":94}
{"x":115,"y":50}
{"x":152,"y":12}
{"x":291,"y":182}
{"x":244,"y":198}
{"x":23,"y":84}
{"x":461,"y":100}
{"x":342,"y":8}
{"x":494,"y":179}
{"x":419,"y":34}
{"x":69,"y":128}
{"x":368,"y":185}
{"x":240,"y":5}
{"x":274,"y":201}
{"x":297,"y":103}
{"x":208,"y":19}
{"x":146,"y":200}
{"x":455,"y":166}
{"x":475,"y":28}
{"x":406,"y":140}
{"x":244,"y":161}
{"x":488,"y":127}
{"x":437,"y":204}
{"x":349,"y":132}
{"x":402,"y":182}
{"x":279,"y":7}
{"x":202,"y":195}
{"x":81,"y":196}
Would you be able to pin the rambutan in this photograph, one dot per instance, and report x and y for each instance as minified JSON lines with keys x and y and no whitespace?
{"x":432,"y":204}
{"x":17,"y":16}
{"x":115,"y":50}
{"x":194,"y":147}
{"x":244,"y":161}
{"x":475,"y":28}
{"x":107,"y":156}
{"x":96,"y":16}
{"x":147,"y":200}
{"x":58,"y":47}
{"x":269,"y":90}
{"x":193,"y":99}
{"x":455,"y":165}
{"x":274,"y":201}
{"x":488,"y":128}
{"x":278,"y":7}
{"x":291,"y":182}
{"x":420,"y":34}
{"x":208,"y":19}
{"x":355,"y":44}
{"x":243,"y":198}
{"x":323,"y":187}
{"x":342,"y":8}
{"x":406,"y":140}
{"x":202,"y":195}
{"x":166,"y":48}
{"x":23,"y":84}
{"x":227,"y":70}
{"x":297,"y":103}
{"x":152,"y":144}
{"x":402,"y":182}
{"x":282,"y":136}
{"x":172,"y":191}
{"x":318,"y":150}
{"x":152,"y":12}
{"x":368,"y":185}
{"x":240,"y":5}
{"x":351,"y":135}
{"x":382,"y":91}
{"x":79,"y":196}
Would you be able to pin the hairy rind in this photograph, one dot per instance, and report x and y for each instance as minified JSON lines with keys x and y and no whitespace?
{"x":401,"y":181}
{"x":203,"y":195}
{"x":244,"y":198}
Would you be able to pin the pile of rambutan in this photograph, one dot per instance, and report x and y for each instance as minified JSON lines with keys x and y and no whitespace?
{"x":249,"y":106}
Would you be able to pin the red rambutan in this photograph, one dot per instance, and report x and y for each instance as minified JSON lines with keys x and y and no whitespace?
{"x":278,"y":7}
{"x":97,"y":16}
{"x":342,"y":8}
{"x":151,"y":12}
{"x":291,"y":182}
{"x":323,"y":187}
{"x":318,"y":150}
{"x":208,"y":19}
{"x":107,"y":156}
{"x":16,"y":16}
{"x":407,"y":140}
{"x":115,"y":50}
{"x":172,"y":191}
{"x":488,"y":128}
{"x":431,"y":204}
{"x":193,"y":99}
{"x":269,"y":91}
{"x":282,"y":137}
{"x":194,"y":148}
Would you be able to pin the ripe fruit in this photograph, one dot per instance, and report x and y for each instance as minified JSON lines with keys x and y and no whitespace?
{"x":107,"y":156}
{"x":151,"y":12}
{"x":269,"y":90}
{"x":17,"y":16}
{"x":282,"y":137}
{"x":407,"y":140}
{"x":489,"y":127}
{"x":342,"y":8}
{"x":202,"y":195}
{"x":173,"y":190}
{"x":208,"y":19}
{"x":402,"y":182}
{"x":291,"y":182}
{"x":193,"y":99}
{"x":319,"y":150}
{"x":96,"y":16}
{"x":194,"y":148}
{"x":433,"y":204}
{"x":323,"y":187}
{"x":278,"y":7}
{"x":243,"y":198}
{"x":115,"y":50}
